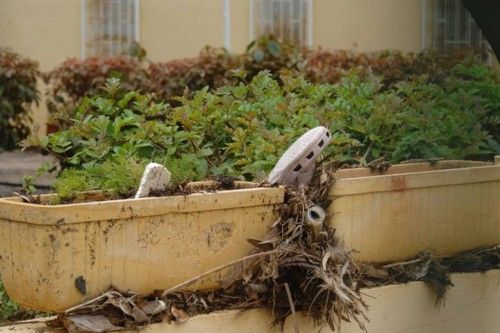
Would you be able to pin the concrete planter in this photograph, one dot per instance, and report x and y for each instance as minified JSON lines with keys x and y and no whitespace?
{"x":156,"y":243}
{"x":449,"y":207}
{"x":153,"y":243}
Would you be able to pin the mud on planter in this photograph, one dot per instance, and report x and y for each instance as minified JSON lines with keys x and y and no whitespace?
{"x":53,"y":257}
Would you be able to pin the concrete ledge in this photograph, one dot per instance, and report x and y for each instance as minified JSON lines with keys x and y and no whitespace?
{"x":16,"y":164}
{"x":472,"y":305}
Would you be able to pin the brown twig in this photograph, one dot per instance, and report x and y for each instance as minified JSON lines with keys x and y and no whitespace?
{"x":292,"y":308}
{"x":403,"y":263}
{"x":216,"y":269}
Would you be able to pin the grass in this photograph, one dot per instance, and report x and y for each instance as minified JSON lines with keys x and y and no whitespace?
{"x":8,"y":308}
{"x":10,"y":311}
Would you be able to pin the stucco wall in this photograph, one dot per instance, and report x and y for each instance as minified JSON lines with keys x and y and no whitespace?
{"x":368,"y":25}
{"x":47,"y":31}
{"x":239,"y":24}
{"x":172,"y":29}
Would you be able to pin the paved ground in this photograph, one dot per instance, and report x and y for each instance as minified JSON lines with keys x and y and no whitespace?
{"x":14,"y":165}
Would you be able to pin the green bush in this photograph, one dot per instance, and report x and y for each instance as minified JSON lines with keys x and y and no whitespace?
{"x":75,"y":79}
{"x":214,"y":68}
{"x":18,"y":90}
{"x":242,"y":129}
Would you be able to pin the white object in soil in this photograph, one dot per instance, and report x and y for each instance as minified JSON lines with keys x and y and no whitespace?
{"x":155,"y":178}
{"x":296,"y":166}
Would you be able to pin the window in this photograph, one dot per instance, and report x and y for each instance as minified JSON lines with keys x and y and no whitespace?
{"x":288,"y":20}
{"x":453,"y":27}
{"x":108,"y":26}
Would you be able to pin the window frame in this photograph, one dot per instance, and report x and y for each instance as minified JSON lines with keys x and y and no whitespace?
{"x":84,"y":25}
{"x":308,"y":38}
{"x":429,"y":30}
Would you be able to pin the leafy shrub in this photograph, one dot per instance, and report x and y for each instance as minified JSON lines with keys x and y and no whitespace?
{"x":267,"y":53}
{"x":242,"y":129}
{"x":18,"y":90}
{"x":173,"y":78}
{"x":75,"y":79}
{"x":215,"y":68}
{"x":476,"y":83}
{"x":392,"y":66}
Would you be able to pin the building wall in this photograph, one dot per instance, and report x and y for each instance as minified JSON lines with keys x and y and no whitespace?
{"x":171,"y":29}
{"x":47,"y":31}
{"x":240,"y":23}
{"x":50,"y":30}
{"x":362,"y":25}
{"x":368,"y":25}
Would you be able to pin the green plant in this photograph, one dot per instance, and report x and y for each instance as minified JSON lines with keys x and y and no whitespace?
{"x":214,"y":67}
{"x":242,"y":129}
{"x":118,"y":176}
{"x":8,"y":308}
{"x":75,"y":79}
{"x":28,"y":181}
{"x":18,"y":91}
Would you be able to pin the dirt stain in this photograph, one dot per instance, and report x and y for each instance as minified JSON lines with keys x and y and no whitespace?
{"x":218,"y":236}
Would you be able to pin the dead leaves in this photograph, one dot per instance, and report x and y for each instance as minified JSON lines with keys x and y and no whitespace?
{"x":179,"y":315}
{"x":433,"y":270}
{"x":111,"y":311}
{"x":86,"y":323}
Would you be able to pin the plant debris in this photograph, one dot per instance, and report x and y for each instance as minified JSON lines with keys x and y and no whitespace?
{"x":434,"y":270}
{"x":283,"y":281}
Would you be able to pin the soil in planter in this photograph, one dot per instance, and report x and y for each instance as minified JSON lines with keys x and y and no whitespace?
{"x":221,"y":183}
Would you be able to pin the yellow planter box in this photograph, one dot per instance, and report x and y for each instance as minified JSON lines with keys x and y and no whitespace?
{"x":156,"y":243}
{"x":138,"y":245}
{"x":450,"y":207}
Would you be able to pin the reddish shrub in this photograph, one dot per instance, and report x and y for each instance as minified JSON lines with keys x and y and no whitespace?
{"x":18,"y":76}
{"x":214,"y":67}
{"x":211,"y":68}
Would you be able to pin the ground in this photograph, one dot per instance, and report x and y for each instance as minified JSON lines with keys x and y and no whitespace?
{"x":14,"y":165}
